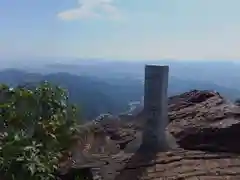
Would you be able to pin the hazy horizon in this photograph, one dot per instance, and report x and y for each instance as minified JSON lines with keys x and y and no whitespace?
{"x":76,"y":60}
{"x":121,"y":29}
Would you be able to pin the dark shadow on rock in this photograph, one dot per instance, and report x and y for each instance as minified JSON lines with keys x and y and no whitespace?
{"x":222,"y":140}
{"x":73,"y":174}
{"x":137,"y":165}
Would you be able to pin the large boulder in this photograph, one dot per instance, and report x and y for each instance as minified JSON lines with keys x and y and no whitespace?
{"x":199,"y":120}
{"x":204,"y":120}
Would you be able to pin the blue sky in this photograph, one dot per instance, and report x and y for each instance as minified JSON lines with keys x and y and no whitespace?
{"x":121,"y":29}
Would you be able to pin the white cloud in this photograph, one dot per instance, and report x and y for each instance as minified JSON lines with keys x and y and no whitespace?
{"x":91,"y":9}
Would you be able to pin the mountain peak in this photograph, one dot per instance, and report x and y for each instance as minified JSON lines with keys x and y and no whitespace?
{"x":200,"y":121}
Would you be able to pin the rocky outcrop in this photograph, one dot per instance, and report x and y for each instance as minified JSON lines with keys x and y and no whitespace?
{"x":204,"y":120}
{"x":200,"y":121}
{"x":181,"y":165}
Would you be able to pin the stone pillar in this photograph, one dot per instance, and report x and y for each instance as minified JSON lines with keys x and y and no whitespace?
{"x":155,"y":108}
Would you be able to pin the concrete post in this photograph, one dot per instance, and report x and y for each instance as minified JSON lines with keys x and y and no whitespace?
{"x":155,"y":108}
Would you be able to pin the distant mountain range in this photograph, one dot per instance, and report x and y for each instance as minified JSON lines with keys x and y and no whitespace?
{"x":220,"y":72}
{"x":92,"y":95}
{"x":110,"y":94}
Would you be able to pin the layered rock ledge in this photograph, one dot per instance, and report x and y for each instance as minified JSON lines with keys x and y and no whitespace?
{"x":203,"y":120}
{"x":206,"y":127}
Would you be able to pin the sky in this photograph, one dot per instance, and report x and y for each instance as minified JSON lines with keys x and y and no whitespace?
{"x":121,"y":29}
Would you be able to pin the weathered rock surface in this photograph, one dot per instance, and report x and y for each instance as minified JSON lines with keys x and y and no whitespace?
{"x":181,"y":165}
{"x":205,"y":125}
{"x":204,"y":120}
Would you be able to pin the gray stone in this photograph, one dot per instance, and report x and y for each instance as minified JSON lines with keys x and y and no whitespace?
{"x":155,"y":108}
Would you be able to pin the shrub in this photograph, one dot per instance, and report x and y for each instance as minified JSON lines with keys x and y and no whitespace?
{"x":36,"y":128}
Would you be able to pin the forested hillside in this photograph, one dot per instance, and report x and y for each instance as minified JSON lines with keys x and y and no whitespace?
{"x":111,"y":94}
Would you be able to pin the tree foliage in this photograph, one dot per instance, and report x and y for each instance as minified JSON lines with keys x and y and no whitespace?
{"x":36,"y":127}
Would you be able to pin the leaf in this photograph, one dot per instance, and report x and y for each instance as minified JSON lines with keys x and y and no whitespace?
{"x":32,"y":168}
{"x":45,"y":113}
{"x":53,"y":136}
{"x":16,"y":137}
{"x":27,"y":148}
{"x":20,"y":159}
